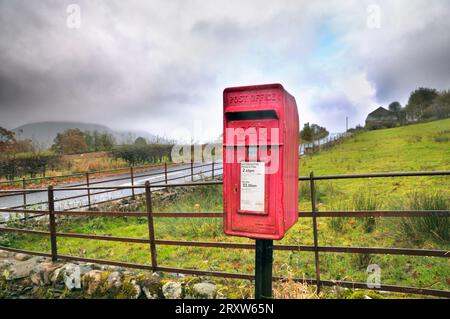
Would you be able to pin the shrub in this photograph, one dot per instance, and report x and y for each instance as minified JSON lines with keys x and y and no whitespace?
{"x":442,"y":137}
{"x":71,"y":141}
{"x":338,"y":224}
{"x":361,"y":261}
{"x":304,"y":191}
{"x":27,"y":164}
{"x":433,"y":227}
{"x":290,"y":289}
{"x":143,"y":154}
{"x":366,"y":202}
{"x":414,"y":139}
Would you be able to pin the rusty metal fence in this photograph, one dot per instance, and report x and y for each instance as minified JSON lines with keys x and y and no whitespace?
{"x":323,"y":144}
{"x":23,"y":182}
{"x":314,"y":214}
{"x":165,"y":170}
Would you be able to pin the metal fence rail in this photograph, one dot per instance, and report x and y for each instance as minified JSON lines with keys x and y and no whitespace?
{"x":87,"y":185}
{"x":114,"y":170}
{"x":124,"y":170}
{"x":52,"y":234}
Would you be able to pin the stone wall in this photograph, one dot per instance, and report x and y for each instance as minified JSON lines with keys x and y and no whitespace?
{"x":24,"y":276}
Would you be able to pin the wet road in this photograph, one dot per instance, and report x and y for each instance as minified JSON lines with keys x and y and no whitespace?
{"x":64,"y":199}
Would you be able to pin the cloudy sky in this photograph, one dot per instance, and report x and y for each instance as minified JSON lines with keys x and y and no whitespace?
{"x":161,"y":66}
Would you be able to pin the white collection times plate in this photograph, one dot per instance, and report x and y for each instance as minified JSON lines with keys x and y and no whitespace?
{"x":252,"y":186}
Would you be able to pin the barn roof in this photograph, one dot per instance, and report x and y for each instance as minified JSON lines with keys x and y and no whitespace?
{"x":381,"y":111}
{"x":381,"y":114}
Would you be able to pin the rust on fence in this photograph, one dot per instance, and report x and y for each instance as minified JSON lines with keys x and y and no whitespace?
{"x":314,"y":220}
{"x":379,"y":213}
{"x":88,"y":190}
{"x":347,"y":284}
{"x":165,"y":173}
{"x":230,"y":245}
{"x":132,"y":182}
{"x":151,"y":227}
{"x":24,"y":196}
{"x":76,"y":187}
{"x":52,"y":223}
{"x":152,"y":242}
{"x":114,"y":170}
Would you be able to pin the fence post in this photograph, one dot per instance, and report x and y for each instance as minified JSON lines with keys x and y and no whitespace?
{"x":192,"y":170}
{"x":52,"y":223}
{"x":212,"y":168}
{"x":24,"y":197}
{"x":132,"y":182}
{"x":314,"y":214}
{"x":165,"y":172}
{"x":88,"y":190}
{"x":151,"y":228}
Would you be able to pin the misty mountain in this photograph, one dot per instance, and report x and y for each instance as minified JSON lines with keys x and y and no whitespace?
{"x":43,"y":133}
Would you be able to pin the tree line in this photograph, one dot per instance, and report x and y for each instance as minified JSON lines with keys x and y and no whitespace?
{"x":22,"y":158}
{"x":140,"y":152}
{"x":74,"y":141}
{"x":423,"y":104}
{"x":312,"y":132}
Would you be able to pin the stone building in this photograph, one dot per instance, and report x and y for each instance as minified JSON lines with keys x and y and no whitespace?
{"x":381,"y":118}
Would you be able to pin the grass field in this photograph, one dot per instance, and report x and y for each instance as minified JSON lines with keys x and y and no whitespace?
{"x":420,"y":147}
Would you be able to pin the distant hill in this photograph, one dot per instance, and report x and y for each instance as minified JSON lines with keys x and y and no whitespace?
{"x":43,"y":133}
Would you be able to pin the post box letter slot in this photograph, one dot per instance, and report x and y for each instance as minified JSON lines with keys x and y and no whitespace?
{"x":251,"y":115}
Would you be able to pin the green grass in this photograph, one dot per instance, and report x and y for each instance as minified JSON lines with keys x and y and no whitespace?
{"x":428,"y":226}
{"x":408,"y":148}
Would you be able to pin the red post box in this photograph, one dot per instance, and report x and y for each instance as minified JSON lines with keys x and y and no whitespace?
{"x":260,"y":161}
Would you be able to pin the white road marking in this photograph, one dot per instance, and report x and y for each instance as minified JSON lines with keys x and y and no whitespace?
{"x":142,"y":181}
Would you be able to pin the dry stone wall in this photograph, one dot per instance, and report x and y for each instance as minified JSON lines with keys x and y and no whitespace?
{"x":24,"y":276}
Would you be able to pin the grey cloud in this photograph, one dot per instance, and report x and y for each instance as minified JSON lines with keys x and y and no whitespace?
{"x":52,"y":73}
{"x":417,"y":58}
{"x":160,"y":64}
{"x":334,"y":109}
{"x":338,"y":102}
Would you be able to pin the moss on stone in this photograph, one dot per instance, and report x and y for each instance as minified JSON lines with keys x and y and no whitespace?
{"x":360,"y":294}
{"x":126,"y":291}
{"x":153,"y":286}
{"x":3,"y":288}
